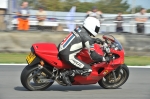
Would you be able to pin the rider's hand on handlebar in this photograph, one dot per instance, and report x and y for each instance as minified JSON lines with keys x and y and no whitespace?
{"x":97,"y":40}
{"x":107,"y":59}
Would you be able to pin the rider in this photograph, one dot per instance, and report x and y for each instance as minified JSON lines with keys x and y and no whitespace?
{"x":74,"y":43}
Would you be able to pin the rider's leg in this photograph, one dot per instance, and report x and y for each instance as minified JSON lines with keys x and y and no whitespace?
{"x":83,"y":68}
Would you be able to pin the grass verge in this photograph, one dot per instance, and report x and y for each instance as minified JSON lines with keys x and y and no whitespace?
{"x":20,"y":58}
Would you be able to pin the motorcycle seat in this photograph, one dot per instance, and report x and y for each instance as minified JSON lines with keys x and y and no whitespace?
{"x":46,"y":48}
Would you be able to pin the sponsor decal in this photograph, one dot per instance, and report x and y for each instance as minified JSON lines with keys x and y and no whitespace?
{"x":78,"y":63}
{"x":75,"y":34}
{"x":67,"y":40}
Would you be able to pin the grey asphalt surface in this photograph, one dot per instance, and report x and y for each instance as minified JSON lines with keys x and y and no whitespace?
{"x":137,"y":87}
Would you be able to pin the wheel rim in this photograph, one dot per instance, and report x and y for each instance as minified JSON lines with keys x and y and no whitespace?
{"x":33,"y":80}
{"x":110,"y":82}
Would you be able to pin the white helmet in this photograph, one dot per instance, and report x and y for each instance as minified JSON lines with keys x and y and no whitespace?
{"x":92,"y":25}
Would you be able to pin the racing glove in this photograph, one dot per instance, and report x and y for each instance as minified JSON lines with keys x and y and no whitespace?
{"x":97,"y":40}
{"x":107,"y":59}
{"x":96,"y":57}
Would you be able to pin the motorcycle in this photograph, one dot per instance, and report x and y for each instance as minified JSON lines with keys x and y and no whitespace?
{"x":44,"y":66}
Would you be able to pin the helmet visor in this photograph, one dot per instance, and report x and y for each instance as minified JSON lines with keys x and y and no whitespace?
{"x":97,"y":29}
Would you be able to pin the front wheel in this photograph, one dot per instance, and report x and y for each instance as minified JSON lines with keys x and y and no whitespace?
{"x":31,"y":80}
{"x":109,"y":81}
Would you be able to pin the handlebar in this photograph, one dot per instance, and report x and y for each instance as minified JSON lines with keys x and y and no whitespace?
{"x":106,"y":48}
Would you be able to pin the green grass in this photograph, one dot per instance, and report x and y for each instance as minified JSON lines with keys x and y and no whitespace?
{"x":20,"y":58}
{"x":137,"y":60}
{"x":13,"y":57}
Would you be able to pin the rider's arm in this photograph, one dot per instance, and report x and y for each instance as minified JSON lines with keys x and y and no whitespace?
{"x":97,"y":40}
{"x":89,"y":44}
{"x":93,"y":54}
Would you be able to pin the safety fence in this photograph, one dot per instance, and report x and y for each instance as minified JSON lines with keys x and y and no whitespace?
{"x":59,"y":23}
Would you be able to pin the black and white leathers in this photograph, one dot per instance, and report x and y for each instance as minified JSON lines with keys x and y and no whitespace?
{"x":73,"y":44}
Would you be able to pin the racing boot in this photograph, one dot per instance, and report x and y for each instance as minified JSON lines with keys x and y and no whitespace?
{"x":65,"y":77}
{"x":66,"y":74}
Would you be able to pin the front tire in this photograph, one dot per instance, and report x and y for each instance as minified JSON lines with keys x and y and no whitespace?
{"x":108,"y":81}
{"x":27,"y":76}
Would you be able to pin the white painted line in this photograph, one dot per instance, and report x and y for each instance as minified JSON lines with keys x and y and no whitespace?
{"x":26,"y":64}
{"x":13,"y":64}
{"x":139,"y":66}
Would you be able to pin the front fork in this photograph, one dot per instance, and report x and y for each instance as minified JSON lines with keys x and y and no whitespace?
{"x":116,"y":73}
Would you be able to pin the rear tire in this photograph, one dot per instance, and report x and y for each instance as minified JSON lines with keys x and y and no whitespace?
{"x":107,"y":81}
{"x":25,"y":76}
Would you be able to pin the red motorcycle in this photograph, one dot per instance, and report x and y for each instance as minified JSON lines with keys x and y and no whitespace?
{"x":44,"y":66}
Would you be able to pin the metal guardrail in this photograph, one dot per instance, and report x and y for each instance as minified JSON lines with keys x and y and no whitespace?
{"x":129,"y":26}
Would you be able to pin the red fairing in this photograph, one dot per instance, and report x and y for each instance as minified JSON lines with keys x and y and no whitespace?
{"x":49,"y":53}
{"x":98,"y":49}
{"x":119,"y":60}
{"x":46,"y":48}
{"x":84,"y":54}
{"x":98,"y":72}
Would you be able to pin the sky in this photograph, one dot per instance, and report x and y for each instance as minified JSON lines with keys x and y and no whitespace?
{"x":143,"y":3}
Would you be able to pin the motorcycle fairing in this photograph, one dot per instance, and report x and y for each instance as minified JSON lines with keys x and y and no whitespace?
{"x":49,"y":53}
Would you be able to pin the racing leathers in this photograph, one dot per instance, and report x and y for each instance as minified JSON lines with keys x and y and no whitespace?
{"x":73,"y":44}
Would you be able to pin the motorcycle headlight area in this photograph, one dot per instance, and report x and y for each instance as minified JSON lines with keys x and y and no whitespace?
{"x":115,"y":46}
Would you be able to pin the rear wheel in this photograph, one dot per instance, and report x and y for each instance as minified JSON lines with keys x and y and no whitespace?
{"x":31,"y":80}
{"x":109,"y":81}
